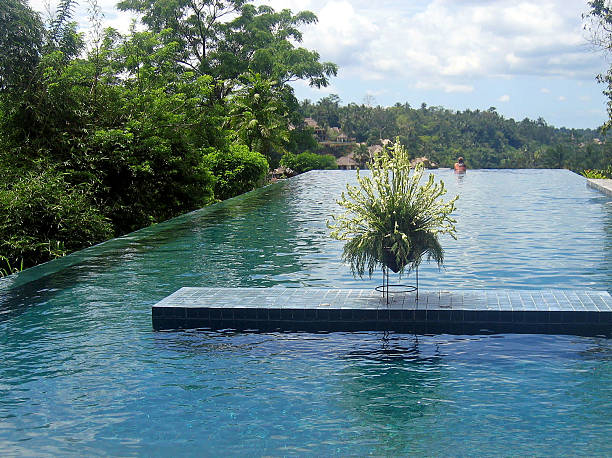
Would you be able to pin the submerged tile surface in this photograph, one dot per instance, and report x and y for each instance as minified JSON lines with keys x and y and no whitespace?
{"x":582,"y":312}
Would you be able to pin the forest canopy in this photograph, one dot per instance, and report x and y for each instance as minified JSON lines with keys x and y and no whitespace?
{"x":483,"y":137}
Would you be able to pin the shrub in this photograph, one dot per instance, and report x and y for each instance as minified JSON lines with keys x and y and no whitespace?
{"x":236,"y":171}
{"x":607,"y":173}
{"x":43,"y":217}
{"x":145,"y":176}
{"x":304,"y":162}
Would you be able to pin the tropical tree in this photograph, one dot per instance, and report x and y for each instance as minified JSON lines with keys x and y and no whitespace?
{"x":21,"y":41}
{"x":134,"y":129}
{"x":390,"y":219}
{"x":258,"y":116}
{"x":361,"y":154}
{"x":226,"y":38}
{"x":599,"y":23}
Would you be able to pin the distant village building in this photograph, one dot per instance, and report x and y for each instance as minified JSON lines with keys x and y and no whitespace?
{"x":319,"y":132}
{"x":347,"y":162}
{"x":311,"y":123}
{"x":374,"y":149}
{"x":425,"y":161}
{"x":331,"y":134}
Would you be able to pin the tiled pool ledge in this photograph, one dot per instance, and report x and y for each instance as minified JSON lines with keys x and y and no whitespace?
{"x":573,"y":312}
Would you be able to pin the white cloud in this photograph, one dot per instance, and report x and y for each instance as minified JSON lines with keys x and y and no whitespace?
{"x":457,"y":87}
{"x":376,"y":92}
{"x":433,"y":84}
{"x":561,"y":98}
{"x":342,"y":34}
{"x":504,"y":98}
{"x":445,"y":45}
{"x":545,"y":90}
{"x":450,"y":43}
{"x":112,"y":16}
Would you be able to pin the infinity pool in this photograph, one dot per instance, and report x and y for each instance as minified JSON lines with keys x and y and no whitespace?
{"x":81,"y":371}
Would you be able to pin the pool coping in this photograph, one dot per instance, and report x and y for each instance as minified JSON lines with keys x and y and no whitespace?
{"x":603,"y":185}
{"x":493,"y":311}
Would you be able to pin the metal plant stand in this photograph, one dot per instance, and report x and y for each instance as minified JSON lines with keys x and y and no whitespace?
{"x":385,"y":288}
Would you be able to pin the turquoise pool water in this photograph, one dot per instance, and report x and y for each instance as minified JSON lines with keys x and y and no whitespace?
{"x":81,"y":372}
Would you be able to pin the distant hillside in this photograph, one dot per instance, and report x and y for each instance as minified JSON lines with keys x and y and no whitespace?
{"x":484,"y":138}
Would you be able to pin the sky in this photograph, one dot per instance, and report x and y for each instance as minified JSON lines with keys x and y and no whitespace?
{"x":526,"y":58}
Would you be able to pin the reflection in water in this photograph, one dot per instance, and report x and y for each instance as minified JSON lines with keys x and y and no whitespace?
{"x":398,"y":380}
{"x":460,"y":177}
{"x":441,"y":395}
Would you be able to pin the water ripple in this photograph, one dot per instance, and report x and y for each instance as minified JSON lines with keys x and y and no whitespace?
{"x":81,"y":371}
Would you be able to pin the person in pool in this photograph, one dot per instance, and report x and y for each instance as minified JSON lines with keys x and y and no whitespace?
{"x":460,"y":165}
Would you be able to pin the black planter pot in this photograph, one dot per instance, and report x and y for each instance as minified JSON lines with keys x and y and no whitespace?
{"x":390,"y":261}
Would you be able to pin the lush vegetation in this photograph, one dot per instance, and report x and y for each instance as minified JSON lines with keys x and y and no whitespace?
{"x":599,"y":23}
{"x":306,"y":161}
{"x":104,"y":134}
{"x":598,"y":173}
{"x":484,"y":138}
{"x":237,"y":171}
{"x":43,"y":216}
{"x":390,"y":218}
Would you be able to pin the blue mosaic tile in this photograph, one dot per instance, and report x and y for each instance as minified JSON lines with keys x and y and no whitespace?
{"x":320,"y":309}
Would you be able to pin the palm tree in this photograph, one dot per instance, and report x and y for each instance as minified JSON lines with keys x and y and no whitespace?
{"x":259,"y":115}
{"x":390,"y":220}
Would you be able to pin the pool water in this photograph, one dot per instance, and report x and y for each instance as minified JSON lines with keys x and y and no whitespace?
{"x":81,"y":371}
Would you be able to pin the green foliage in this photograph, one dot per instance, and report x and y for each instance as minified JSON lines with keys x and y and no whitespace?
{"x":304,"y":162}
{"x":62,"y":34}
{"x":8,"y":269}
{"x":361,"y":155}
{"x":146,"y":177}
{"x":259,"y":116}
{"x":601,"y":174}
{"x":21,"y":41}
{"x":250,"y":54}
{"x":137,"y":144}
{"x":599,"y":24}
{"x":302,"y":139}
{"x":236,"y":171}
{"x":390,"y":219}
{"x":139,"y":123}
{"x":42,"y":217}
{"x":326,"y":111}
{"x":256,"y":40}
{"x":484,"y":138}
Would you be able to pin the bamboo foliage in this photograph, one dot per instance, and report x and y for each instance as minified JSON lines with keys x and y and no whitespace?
{"x":390,"y":219}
